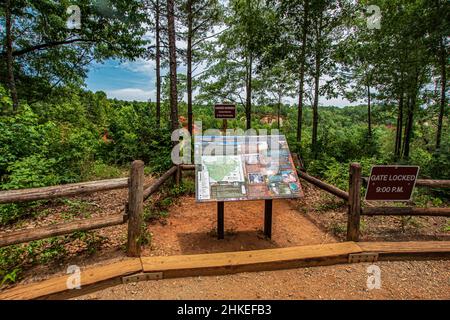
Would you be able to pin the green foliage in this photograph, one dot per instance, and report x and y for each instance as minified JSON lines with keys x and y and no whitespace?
{"x":10,"y":212}
{"x":5,"y":100}
{"x":99,"y":170}
{"x":48,"y":53}
{"x":77,"y":136}
{"x":16,"y":258}
{"x":146,"y":236}
{"x":446,"y":228}
{"x":159,"y":208}
{"x":338,"y":229}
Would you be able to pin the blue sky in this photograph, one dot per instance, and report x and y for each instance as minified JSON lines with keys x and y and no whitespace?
{"x":135,"y":80}
{"x":132,"y":80}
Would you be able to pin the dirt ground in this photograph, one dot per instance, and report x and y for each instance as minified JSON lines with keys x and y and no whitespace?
{"x":190,"y":228}
{"x":399,"y":280}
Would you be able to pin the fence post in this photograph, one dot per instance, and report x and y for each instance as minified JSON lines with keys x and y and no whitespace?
{"x":354,"y":202}
{"x":178,"y":176}
{"x":135,"y":208}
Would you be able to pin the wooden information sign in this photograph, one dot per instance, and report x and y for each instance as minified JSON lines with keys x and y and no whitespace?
{"x":391,"y":183}
{"x":225,"y":111}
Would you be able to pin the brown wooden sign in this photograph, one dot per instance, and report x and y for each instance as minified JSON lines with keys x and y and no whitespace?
{"x":391,"y":183}
{"x":225,"y":111}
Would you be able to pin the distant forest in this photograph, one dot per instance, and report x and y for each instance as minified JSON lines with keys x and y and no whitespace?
{"x":390,"y":56}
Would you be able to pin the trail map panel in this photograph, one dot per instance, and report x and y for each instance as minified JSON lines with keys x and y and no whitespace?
{"x":235,"y":168}
{"x":391,"y":183}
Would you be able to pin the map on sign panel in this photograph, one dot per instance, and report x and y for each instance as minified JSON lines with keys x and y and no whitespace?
{"x":234,"y":168}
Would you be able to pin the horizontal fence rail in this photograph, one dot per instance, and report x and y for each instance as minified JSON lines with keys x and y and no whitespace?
{"x":187,"y":166}
{"x":157,"y":184}
{"x":353,"y":221}
{"x":137,"y":193}
{"x":323,"y":185}
{"x":318,"y":183}
{"x":433,"y":183}
{"x":26,"y":235}
{"x":405,"y":211}
{"x":46,"y":193}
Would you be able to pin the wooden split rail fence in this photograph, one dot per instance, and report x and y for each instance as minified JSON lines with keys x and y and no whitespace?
{"x":137,"y":194}
{"x":355,"y":210}
{"x":353,"y":198}
{"x":132,"y":213}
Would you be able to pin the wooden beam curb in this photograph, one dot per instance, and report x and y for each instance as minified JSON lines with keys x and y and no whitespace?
{"x":255,"y":260}
{"x":97,"y":278}
{"x":89,"y":276}
{"x":406,"y":247}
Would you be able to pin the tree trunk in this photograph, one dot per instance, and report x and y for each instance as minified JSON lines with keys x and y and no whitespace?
{"x":398,"y":134}
{"x":158,"y":65}
{"x":248,"y":102}
{"x":409,"y":125}
{"x":316,"y":90}
{"x":9,"y":56}
{"x":411,"y":109}
{"x":279,"y":111}
{"x":443,"y":62}
{"x":316,"y":106}
{"x":302,"y":71}
{"x":189,"y":65}
{"x":369,"y":117}
{"x":172,"y":65}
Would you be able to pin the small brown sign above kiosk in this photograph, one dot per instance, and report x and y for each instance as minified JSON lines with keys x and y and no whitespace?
{"x":225,"y":111}
{"x":391,"y":183}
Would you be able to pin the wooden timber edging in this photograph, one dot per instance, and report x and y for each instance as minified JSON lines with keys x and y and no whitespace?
{"x":408,"y":250}
{"x":89,"y":276}
{"x":97,"y":278}
{"x":245,"y":261}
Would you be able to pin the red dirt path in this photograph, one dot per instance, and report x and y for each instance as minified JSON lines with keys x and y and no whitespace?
{"x":191,"y":228}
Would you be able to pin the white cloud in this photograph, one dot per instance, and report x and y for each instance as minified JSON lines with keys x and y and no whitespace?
{"x":140,"y":66}
{"x":131,"y":94}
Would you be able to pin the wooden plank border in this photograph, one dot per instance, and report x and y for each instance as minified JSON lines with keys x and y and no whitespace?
{"x":249,"y":261}
{"x":89,"y":276}
{"x":408,"y":250}
{"x":97,"y":278}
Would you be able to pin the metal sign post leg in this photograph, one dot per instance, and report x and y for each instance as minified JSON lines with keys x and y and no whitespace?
{"x":220,"y":220}
{"x":268,"y":218}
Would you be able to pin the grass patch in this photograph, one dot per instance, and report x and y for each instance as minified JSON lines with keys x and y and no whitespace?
{"x":98,"y":170}
{"x":158,"y":207}
{"x":15,"y":259}
{"x":338,"y":229}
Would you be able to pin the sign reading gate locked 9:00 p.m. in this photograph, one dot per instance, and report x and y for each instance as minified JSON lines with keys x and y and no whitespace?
{"x":225,"y":111}
{"x":391,"y":183}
